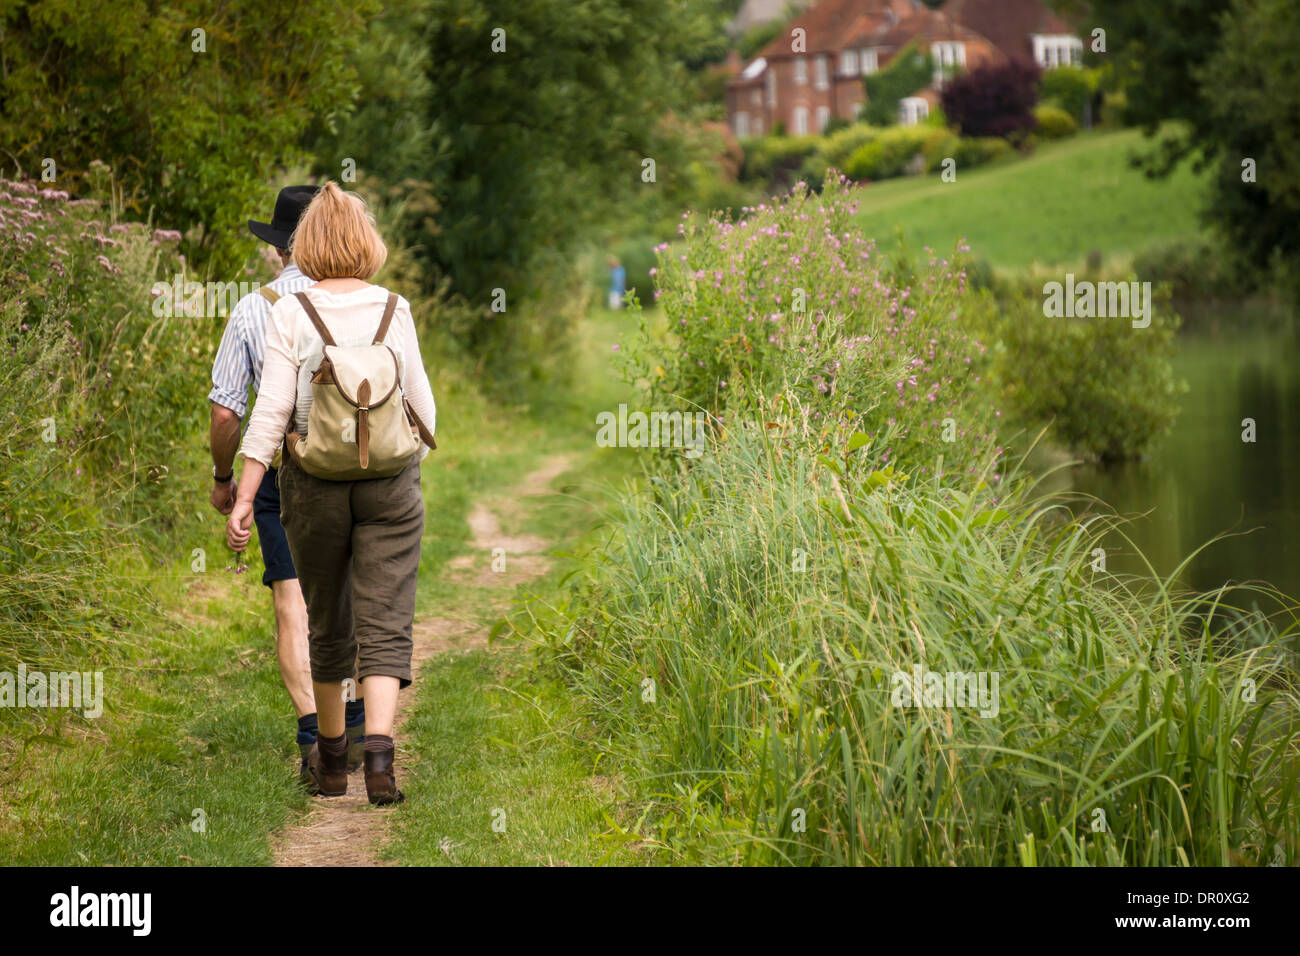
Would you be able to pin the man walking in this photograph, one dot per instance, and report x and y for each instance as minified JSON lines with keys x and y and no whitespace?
{"x":237,"y":366}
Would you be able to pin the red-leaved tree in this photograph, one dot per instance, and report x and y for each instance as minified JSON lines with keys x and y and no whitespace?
{"x":993,"y":100}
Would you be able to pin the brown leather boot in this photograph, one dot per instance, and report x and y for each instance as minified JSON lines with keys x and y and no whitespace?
{"x":329,"y":772}
{"x":381,"y":782}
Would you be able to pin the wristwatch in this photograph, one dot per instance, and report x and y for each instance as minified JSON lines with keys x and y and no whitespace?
{"x":219,"y":480}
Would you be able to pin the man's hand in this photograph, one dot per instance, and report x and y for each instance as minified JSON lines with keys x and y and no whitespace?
{"x":223,"y":496}
{"x":237,"y":526}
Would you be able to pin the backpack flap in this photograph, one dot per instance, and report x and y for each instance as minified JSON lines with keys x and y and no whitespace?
{"x":376,"y":364}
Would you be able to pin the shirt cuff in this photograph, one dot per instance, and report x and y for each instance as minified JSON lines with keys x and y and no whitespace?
{"x":257,"y":458}
{"x":227,"y":399}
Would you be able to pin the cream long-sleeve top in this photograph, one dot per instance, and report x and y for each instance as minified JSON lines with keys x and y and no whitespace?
{"x":294,"y":351}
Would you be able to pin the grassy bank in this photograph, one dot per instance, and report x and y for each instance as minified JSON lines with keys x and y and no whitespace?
{"x":1068,"y":199}
{"x":844,"y":636}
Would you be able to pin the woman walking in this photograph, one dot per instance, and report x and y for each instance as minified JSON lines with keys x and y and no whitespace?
{"x":345,"y":391}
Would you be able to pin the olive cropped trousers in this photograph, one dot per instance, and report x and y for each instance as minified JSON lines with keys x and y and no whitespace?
{"x":356,"y":545}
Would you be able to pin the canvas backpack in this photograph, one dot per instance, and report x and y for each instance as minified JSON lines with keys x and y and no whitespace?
{"x":360,"y":424}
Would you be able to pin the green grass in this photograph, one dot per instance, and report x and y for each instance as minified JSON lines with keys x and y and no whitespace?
{"x":1052,"y":208}
{"x":500,"y":743}
{"x":199,"y":723}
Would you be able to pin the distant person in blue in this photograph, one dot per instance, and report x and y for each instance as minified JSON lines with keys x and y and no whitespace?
{"x":617,"y":283}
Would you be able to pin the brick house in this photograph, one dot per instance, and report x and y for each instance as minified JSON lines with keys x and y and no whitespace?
{"x":802,"y":79}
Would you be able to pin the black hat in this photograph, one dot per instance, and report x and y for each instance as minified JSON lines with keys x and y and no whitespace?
{"x":289,"y":207}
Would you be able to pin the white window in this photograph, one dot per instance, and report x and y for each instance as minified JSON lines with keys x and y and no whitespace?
{"x":870,"y":61}
{"x":949,"y":57}
{"x":770,"y":79}
{"x":1053,"y":50}
{"x":912,"y":109}
{"x":849,"y":63}
{"x":820,"y":80}
{"x":800,"y":70}
{"x":823,"y":118}
{"x":801,"y":121}
{"x":741,"y":124}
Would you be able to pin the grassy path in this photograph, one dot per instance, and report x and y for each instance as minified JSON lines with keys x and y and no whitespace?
{"x":347,"y":831}
{"x":193,"y":761}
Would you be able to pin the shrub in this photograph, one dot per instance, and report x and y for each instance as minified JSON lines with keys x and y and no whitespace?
{"x":1069,"y":88}
{"x":835,"y":150}
{"x":1114,"y":109}
{"x":776,"y":159}
{"x":968,"y":152}
{"x":993,"y":100}
{"x":130,"y":396}
{"x":1108,"y":387}
{"x":889,"y":153}
{"x":1054,"y":123}
{"x":1195,"y":267}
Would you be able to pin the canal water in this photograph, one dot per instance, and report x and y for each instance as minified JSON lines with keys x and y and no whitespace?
{"x":1204,"y":480}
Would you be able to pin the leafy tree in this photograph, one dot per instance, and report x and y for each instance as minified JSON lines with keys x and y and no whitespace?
{"x":1226,"y":71}
{"x":193,"y":123}
{"x":759,"y":36}
{"x":1254,"y":129}
{"x":995,"y":99}
{"x":385,"y":127}
{"x":538,"y":130}
{"x":910,"y":70}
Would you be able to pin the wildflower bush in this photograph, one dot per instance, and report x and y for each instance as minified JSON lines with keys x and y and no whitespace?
{"x":792,"y":297}
{"x":131,"y":382}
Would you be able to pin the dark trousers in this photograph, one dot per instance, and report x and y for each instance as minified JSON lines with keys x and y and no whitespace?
{"x":276,"y":557}
{"x":356,"y":547}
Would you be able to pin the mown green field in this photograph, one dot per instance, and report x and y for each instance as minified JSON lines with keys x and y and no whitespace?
{"x":1052,"y":208}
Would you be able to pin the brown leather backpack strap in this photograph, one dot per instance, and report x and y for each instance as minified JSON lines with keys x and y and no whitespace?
{"x":389,"y":307}
{"x":269,"y":294}
{"x":312,"y":314}
{"x":425,"y":435}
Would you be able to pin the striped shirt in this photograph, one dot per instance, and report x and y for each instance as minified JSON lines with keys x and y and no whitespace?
{"x":243,"y":345}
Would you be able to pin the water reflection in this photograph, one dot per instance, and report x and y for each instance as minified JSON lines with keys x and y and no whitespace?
{"x":1205,"y":480}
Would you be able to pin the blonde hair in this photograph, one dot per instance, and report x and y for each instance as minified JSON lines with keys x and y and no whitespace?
{"x":336,"y":237}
